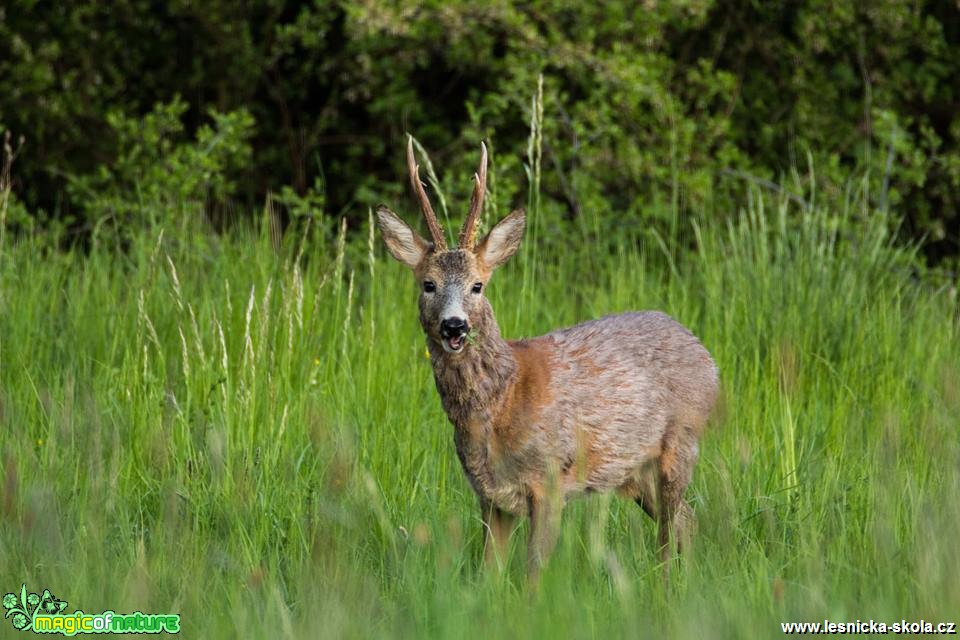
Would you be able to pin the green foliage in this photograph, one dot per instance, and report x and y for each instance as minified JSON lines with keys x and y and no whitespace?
{"x":158,"y":173}
{"x":650,"y":107}
{"x":311,"y":204}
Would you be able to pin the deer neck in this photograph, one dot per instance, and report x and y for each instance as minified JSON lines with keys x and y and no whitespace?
{"x":473,"y":383}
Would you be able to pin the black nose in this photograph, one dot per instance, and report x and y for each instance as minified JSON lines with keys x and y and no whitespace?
{"x":454,"y":327}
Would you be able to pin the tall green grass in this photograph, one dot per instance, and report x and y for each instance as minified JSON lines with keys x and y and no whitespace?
{"x":248,"y":434}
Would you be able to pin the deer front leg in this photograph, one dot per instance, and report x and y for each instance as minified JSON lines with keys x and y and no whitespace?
{"x":545,"y":511}
{"x":498,"y":526}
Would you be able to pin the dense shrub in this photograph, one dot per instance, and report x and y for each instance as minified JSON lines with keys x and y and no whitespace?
{"x":651,"y":108}
{"x":154,"y":172}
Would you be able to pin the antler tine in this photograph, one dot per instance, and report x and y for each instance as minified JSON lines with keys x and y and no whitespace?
{"x":436,"y":230}
{"x":469,"y":232}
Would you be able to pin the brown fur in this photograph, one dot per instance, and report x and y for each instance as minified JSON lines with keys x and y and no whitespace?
{"x":615,"y":404}
{"x":530,"y":393}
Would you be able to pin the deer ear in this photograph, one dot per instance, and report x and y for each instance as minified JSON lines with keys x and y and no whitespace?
{"x":403,"y":242}
{"x":502,"y":241}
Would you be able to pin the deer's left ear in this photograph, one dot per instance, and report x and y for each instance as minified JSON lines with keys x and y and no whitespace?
{"x":502,"y":241}
{"x":403,"y":242}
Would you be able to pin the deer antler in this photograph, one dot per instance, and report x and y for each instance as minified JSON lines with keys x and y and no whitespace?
{"x":439,"y":241}
{"x":469,"y":232}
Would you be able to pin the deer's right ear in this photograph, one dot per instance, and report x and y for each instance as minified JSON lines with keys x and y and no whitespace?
{"x":403,"y":242}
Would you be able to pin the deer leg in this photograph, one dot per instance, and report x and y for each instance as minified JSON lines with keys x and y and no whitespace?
{"x":497,"y":526}
{"x":686,"y":525}
{"x":646,"y":496}
{"x":545,"y":513}
{"x":675,"y":517}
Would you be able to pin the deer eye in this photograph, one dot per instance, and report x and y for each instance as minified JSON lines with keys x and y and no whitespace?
{"x":477,"y":287}
{"x":429,"y":286}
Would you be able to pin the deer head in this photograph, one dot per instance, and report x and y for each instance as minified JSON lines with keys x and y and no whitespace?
{"x":452,"y":281}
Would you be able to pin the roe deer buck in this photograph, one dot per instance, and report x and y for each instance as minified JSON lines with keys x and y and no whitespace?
{"x":617,"y":403}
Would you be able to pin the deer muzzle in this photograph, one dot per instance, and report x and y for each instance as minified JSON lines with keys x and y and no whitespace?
{"x":453,"y":333}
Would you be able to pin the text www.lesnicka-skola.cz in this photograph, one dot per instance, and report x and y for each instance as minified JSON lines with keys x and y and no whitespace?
{"x":870,"y":626}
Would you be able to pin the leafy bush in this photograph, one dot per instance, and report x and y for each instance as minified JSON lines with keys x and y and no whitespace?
{"x":652,"y":109}
{"x":157,"y":171}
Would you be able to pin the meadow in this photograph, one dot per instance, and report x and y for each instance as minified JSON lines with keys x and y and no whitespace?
{"x":241,"y":427}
